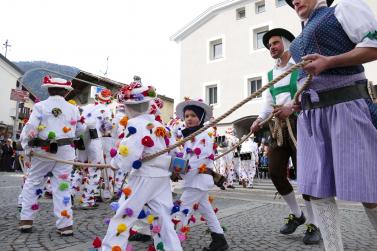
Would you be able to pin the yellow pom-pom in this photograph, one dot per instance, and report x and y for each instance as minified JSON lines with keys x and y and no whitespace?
{"x":41,"y":127}
{"x":121,"y":228}
{"x":72,"y":102}
{"x":150,"y":219}
{"x":123,"y":150}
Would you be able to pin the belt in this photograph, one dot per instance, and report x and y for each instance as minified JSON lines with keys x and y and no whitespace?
{"x":37,"y":142}
{"x":336,"y":96}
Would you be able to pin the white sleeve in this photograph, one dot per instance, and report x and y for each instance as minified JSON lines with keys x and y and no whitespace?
{"x":267,"y":105}
{"x":358,"y":21}
{"x":30,"y":130}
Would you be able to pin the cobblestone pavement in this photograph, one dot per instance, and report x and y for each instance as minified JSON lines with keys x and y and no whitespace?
{"x":252,"y":219}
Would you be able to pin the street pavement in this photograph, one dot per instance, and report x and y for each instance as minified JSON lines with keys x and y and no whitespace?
{"x":252,"y":218}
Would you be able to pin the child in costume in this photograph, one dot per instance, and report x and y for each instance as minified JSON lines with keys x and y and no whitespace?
{"x":149,"y":182}
{"x":200,"y":153}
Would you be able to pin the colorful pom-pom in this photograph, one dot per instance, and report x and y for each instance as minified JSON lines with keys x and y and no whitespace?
{"x":216,"y":210}
{"x":131,"y":130}
{"x":72,"y":102}
{"x":202,"y":168}
{"x":142,"y":215}
{"x":32,"y":134}
{"x":128,"y":212}
{"x":150,"y":219}
{"x":127,"y":191}
{"x":66,"y":200}
{"x":151,"y":248}
{"x":182,"y":237}
{"x":160,"y":246}
{"x":63,"y":186}
{"x":124,"y":121}
{"x":121,"y":228}
{"x":41,"y":127}
{"x":192,"y":219}
{"x":185,"y":211}
{"x":114,"y":206}
{"x":175,"y":221}
{"x":211,"y":157}
{"x":66,"y":129}
{"x":64,"y":176}
{"x":160,"y":132}
{"x":129,"y":247}
{"x":65,"y":213}
{"x":121,"y":136}
{"x":147,"y":141}
{"x":35,"y":207}
{"x":97,"y":243}
{"x":116,"y":248}
{"x":106,"y":221}
{"x":156,"y":229}
{"x":196,"y":206}
{"x":185,"y":229}
{"x":123,"y":150}
{"x":51,"y":135}
{"x":113,"y":152}
{"x":176,"y":208}
{"x":136,"y":164}
{"x":188,"y":150}
{"x":211,"y":199}
{"x":38,"y":192}
{"x":197,"y":151}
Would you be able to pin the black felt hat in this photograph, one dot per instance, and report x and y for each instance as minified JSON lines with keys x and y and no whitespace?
{"x":289,"y":2}
{"x":277,"y":32}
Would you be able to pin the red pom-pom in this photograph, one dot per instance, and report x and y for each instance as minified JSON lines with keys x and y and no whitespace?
{"x":151,"y":248}
{"x":196,"y":206}
{"x":147,"y":141}
{"x":132,"y":232}
{"x":197,"y":151}
{"x":121,"y":136}
{"x":202,"y":218}
{"x":97,"y":243}
{"x":216,"y":210}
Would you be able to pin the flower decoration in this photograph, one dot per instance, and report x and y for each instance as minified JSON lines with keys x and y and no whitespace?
{"x":73,"y":122}
{"x":160,"y":132}
{"x":131,"y":130}
{"x":128,"y":212}
{"x":147,"y":141}
{"x":123,"y":150}
{"x":211,"y":157}
{"x":124,"y":121}
{"x":156,"y":229}
{"x":197,"y":151}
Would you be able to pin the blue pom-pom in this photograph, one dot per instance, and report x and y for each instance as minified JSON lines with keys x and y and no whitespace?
{"x":38,"y":192}
{"x":188,"y":150}
{"x":89,"y":115}
{"x":142,"y":215}
{"x":114,"y":206}
{"x":66,"y":200}
{"x":136,"y":164}
{"x":131,"y":130}
{"x":175,"y":209}
{"x":185,"y":211}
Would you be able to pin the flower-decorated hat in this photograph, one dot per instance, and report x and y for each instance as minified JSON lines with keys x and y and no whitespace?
{"x":180,"y":110}
{"x":156,"y":106}
{"x":136,"y":93}
{"x":50,"y":82}
{"x":104,"y":96}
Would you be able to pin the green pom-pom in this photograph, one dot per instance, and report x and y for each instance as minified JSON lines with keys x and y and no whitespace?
{"x":152,"y":93}
{"x":63,"y":186}
{"x":160,"y":246}
{"x":51,"y":135}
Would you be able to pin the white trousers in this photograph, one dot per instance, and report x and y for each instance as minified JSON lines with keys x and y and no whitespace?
{"x":156,"y":192}
{"x":60,"y":183}
{"x":250,"y":171}
{"x":191,"y":196}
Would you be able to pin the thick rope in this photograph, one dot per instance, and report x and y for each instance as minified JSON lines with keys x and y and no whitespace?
{"x":230,"y":111}
{"x":184,"y":140}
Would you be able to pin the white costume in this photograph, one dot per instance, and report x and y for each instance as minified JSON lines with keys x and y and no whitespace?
{"x":250,"y":148}
{"x":52,"y":119}
{"x":149,"y":182}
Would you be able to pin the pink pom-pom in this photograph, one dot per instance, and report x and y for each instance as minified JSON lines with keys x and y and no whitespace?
{"x":64,"y":176}
{"x":73,"y":122}
{"x":156,"y":229}
{"x":34,"y":207}
{"x":129,"y":247}
{"x":211,"y":157}
{"x":197,"y":151}
{"x":113,"y":152}
{"x":182,"y":237}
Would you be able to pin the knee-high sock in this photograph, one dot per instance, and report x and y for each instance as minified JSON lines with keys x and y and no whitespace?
{"x":310,"y":219}
{"x":327,"y":215}
{"x":372,"y":215}
{"x":290,"y":199}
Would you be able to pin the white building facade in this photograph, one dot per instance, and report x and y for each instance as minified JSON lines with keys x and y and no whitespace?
{"x":223,"y":58}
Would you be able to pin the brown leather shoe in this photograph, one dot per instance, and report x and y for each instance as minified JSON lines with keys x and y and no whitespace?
{"x":65,"y":231}
{"x":25,"y":226}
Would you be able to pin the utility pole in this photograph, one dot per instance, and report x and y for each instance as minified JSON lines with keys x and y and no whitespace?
{"x":6,"y":45}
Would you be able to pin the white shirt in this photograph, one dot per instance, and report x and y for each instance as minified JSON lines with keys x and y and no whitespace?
{"x":136,"y":150}
{"x":282,"y":98}
{"x":42,"y":122}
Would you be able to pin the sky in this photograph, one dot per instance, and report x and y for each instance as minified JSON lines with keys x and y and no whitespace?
{"x":134,"y":34}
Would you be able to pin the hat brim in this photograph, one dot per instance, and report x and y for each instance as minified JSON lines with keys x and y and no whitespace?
{"x":289,"y":2}
{"x":277,"y":32}
{"x":181,"y":106}
{"x":134,"y":102}
{"x":68,"y":88}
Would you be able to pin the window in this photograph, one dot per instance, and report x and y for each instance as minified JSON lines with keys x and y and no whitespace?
{"x":280,"y":3}
{"x":258,"y":37}
{"x":211,"y":94}
{"x":216,"y":49}
{"x":241,"y":13}
{"x":260,"y":7}
{"x":253,"y":84}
